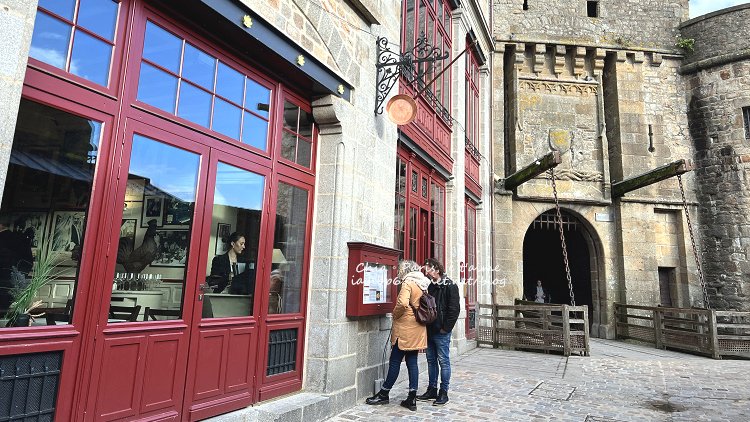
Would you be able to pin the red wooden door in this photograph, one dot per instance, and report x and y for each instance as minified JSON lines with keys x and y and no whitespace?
{"x":193,"y":196}
{"x":224,"y":339}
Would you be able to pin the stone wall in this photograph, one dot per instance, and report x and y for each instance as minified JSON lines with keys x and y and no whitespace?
{"x":354,"y":192}
{"x":17,"y":21}
{"x":721,"y":35}
{"x":621,"y":23}
{"x":716,"y":98}
{"x":356,"y":177}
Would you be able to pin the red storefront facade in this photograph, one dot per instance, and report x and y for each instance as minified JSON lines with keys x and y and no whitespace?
{"x":155,"y":142}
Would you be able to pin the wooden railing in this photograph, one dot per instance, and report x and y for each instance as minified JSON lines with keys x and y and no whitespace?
{"x":545,"y":327}
{"x":701,"y":331}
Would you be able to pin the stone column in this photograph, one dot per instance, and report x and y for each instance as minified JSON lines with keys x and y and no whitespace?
{"x":17,"y":21}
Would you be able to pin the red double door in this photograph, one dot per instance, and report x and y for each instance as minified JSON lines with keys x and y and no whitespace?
{"x":191,"y":367}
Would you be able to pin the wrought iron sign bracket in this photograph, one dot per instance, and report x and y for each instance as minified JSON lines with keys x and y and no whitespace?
{"x":390,"y":65}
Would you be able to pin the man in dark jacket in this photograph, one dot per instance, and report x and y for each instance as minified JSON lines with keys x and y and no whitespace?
{"x":445,"y":292}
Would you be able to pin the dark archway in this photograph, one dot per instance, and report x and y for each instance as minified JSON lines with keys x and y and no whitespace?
{"x":543,"y":259}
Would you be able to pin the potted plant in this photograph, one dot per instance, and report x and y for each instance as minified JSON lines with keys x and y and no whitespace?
{"x":19,"y":312}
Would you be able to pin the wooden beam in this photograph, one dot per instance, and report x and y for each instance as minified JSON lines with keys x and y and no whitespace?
{"x":658,"y":174}
{"x":534,"y":169}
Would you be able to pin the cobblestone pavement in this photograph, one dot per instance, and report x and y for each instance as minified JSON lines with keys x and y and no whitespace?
{"x":618,"y":382}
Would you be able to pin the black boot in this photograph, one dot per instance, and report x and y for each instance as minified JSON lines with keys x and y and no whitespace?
{"x":380,"y":398}
{"x":442,"y":398}
{"x":430,"y":394}
{"x":411,"y":401}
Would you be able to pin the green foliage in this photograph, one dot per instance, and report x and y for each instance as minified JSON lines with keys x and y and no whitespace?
{"x":44,"y":271}
{"x":686,"y":44}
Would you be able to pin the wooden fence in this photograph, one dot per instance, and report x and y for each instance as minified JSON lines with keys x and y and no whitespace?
{"x":701,"y":331}
{"x":545,"y":327}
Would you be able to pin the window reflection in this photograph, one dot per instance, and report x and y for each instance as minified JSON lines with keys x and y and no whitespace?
{"x":157,"y":88}
{"x":91,"y":58}
{"x":93,"y":32}
{"x":99,"y":17}
{"x":233,"y":246}
{"x":288,"y":250}
{"x":43,"y":214}
{"x":227,"y":118}
{"x":199,"y":67}
{"x":154,"y":242}
{"x":162,"y":47}
{"x":296,"y":139}
{"x":240,"y":106}
{"x":50,"y":40}
{"x":195,"y":104}
{"x":255,"y":131}
{"x":64,"y":8}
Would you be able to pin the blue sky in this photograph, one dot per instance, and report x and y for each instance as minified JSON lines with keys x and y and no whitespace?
{"x":701,"y":7}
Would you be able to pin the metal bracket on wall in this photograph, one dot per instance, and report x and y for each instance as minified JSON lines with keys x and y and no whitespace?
{"x":391,"y":64}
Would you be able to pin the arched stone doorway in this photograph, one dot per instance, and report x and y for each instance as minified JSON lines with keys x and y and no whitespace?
{"x":543,"y":260}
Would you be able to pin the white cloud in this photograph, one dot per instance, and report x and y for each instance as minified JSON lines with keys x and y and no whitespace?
{"x":701,"y":7}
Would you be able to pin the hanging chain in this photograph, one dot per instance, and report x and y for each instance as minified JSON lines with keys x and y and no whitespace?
{"x":562,"y":238}
{"x":692,"y":240}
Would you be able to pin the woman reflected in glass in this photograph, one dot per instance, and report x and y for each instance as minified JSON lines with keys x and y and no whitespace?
{"x":225,"y":268}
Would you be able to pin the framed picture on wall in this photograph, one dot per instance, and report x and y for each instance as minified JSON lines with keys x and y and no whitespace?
{"x":223,"y":230}
{"x":127,"y":228}
{"x":66,"y":237}
{"x":173,"y":248}
{"x":32,"y":224}
{"x":134,"y":189}
{"x":177,"y":213}
{"x":153,"y":209}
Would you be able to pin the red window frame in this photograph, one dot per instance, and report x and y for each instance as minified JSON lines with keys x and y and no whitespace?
{"x":472,"y":98}
{"x":470,"y":263}
{"x":408,"y":218}
{"x":116,"y":70}
{"x":115,"y":104}
{"x":433,"y":19}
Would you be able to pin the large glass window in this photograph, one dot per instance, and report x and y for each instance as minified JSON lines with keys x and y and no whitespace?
{"x":76,"y":36}
{"x":233,"y":247}
{"x":296,"y":140}
{"x":470,"y":237}
{"x":44,"y":212}
{"x":180,"y":78}
{"x":154,"y":244}
{"x":472,"y":99}
{"x":400,"y":211}
{"x":287,"y":258}
{"x":430,"y":19}
{"x":437,"y":222}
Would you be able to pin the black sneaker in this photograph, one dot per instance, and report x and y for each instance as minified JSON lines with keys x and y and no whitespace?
{"x":442,"y":398}
{"x":430,"y":394}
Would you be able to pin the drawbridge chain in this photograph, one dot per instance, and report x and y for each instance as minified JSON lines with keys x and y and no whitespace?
{"x":562,"y":238}
{"x":692,"y":241}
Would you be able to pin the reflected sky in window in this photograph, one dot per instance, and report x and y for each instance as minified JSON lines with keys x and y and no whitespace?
{"x":238,"y":188}
{"x":170,"y":169}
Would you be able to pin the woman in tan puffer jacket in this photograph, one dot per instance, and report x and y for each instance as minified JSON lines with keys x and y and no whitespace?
{"x":407,"y":336}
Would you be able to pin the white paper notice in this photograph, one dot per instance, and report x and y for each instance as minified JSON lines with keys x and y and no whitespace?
{"x":374,"y":283}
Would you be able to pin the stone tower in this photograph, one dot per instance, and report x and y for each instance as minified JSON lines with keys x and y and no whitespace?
{"x":717,"y":73}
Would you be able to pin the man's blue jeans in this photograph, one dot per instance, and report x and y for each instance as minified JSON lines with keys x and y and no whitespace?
{"x":397,"y":355}
{"x":438,"y":352}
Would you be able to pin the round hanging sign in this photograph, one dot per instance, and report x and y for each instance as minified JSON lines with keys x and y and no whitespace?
{"x":401,"y":109}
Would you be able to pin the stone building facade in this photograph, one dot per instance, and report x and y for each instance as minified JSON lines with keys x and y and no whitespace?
{"x":718,"y":97}
{"x":586,"y":79}
{"x":354,"y":176}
